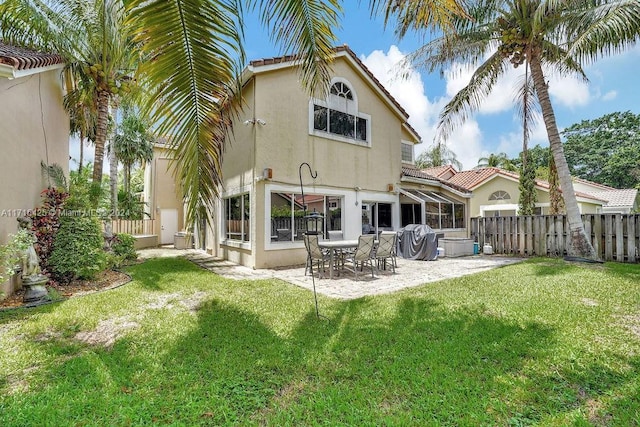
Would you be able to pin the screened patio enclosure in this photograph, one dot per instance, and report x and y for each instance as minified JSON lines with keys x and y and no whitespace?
{"x":432,"y":208}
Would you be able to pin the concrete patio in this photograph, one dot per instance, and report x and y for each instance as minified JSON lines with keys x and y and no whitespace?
{"x":408,"y":273}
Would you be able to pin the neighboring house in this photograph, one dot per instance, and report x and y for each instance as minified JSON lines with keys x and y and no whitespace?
{"x":623,"y":201}
{"x":34,"y":128}
{"x":355,"y":138}
{"x":496,"y":192}
{"x":162,"y":197}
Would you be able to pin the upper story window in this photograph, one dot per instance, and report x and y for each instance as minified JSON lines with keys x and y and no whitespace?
{"x":341,"y":89}
{"x":407,"y":152}
{"x":338,"y":118}
{"x":499,"y":195}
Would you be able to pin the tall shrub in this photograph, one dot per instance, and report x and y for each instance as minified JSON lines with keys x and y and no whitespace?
{"x":78,"y":249}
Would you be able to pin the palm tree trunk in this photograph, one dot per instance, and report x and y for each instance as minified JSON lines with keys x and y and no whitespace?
{"x":101,"y":138}
{"x":579,"y":244}
{"x":113,"y":164}
{"x":113,"y":179}
{"x":81,"y":151}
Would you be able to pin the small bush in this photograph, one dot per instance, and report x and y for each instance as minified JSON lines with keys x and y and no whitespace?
{"x":123,"y":245}
{"x":77,"y":249}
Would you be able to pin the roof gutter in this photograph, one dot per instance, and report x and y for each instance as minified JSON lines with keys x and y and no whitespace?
{"x":10,"y":72}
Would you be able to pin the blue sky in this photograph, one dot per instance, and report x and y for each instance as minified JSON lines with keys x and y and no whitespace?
{"x":612,"y":87}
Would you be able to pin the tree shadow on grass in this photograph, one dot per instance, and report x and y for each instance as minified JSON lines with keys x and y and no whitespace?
{"x":393,"y":360}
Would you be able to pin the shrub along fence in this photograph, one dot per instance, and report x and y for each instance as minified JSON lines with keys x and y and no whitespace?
{"x":615,"y":237}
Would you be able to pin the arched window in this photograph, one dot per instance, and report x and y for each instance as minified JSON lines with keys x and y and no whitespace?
{"x":342,"y":90}
{"x":499,"y":195}
{"x":337,"y":117}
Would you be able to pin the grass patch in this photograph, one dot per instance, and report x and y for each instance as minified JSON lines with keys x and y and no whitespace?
{"x":543,"y":342}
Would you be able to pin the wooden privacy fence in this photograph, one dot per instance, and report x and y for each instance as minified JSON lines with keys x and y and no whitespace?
{"x":615,"y":237}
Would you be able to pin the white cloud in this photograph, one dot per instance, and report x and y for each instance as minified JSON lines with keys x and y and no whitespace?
{"x":610,"y":96}
{"x":410,"y":92}
{"x":502,"y":95}
{"x":569,"y":91}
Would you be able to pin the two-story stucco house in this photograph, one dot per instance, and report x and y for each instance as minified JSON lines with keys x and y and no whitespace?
{"x":34,"y":128}
{"x":357,"y":139}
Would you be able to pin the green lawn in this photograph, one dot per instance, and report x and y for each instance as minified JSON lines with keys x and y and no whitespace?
{"x":538,"y":343}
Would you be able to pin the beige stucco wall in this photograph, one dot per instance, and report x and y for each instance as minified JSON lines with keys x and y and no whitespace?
{"x":33,"y":128}
{"x":498,"y":183}
{"x":284,"y":142}
{"x":338,"y":163}
{"x":163,"y":190}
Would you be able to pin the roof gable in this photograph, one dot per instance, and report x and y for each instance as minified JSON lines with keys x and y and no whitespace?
{"x":287,"y":61}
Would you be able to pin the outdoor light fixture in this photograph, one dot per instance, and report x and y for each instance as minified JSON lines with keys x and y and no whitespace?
{"x":254,"y":121}
{"x":314,"y":223}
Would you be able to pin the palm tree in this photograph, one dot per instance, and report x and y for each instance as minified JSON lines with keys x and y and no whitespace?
{"x":509,"y":33}
{"x":438,"y":155}
{"x":133,"y":144}
{"x":193,"y":53}
{"x":81,"y":107}
{"x":197,"y":53}
{"x":500,"y":160}
{"x":92,"y":38}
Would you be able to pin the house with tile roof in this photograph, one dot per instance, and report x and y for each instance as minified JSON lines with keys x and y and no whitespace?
{"x":496,"y":193}
{"x":358,"y":141}
{"x":623,"y":201}
{"x":34,"y":128}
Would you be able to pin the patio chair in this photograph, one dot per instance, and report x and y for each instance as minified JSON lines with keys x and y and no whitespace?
{"x":363,"y":254}
{"x":314,"y":253}
{"x":386,"y":250}
{"x":341,"y":253}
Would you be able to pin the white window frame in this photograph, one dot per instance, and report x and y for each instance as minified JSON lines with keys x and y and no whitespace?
{"x":413,"y":154}
{"x":343,"y":105}
{"x":223,"y":219}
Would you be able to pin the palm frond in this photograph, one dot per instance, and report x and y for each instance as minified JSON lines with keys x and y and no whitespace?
{"x":527,"y":105}
{"x":608,"y":28}
{"x":445,"y":51}
{"x":470,"y":98}
{"x":305,"y":27}
{"x":53,"y":175}
{"x":420,"y":14}
{"x":559,"y":60}
{"x":193,"y":56}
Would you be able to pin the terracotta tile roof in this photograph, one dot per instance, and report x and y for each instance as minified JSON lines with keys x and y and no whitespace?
{"x":417,"y":173}
{"x":474,"y":177}
{"x":438,"y":171}
{"x":26,"y":59}
{"x":625,"y":197}
{"x":338,"y":49}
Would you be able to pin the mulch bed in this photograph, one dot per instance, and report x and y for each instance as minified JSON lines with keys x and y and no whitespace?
{"x":106,"y":280}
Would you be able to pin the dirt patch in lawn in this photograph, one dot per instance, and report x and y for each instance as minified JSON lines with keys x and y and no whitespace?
{"x":107,"y":332}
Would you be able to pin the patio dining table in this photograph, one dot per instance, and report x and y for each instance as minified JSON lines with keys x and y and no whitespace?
{"x":333,"y":246}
